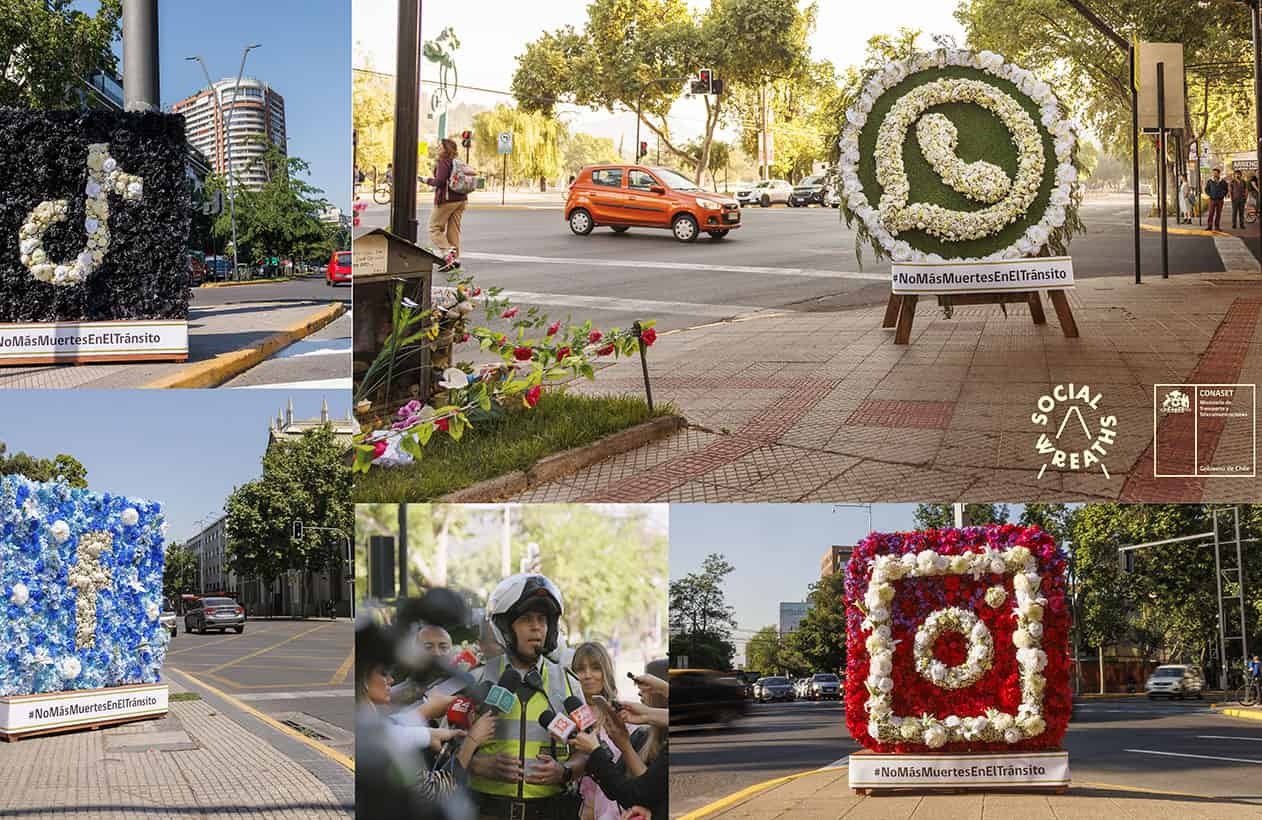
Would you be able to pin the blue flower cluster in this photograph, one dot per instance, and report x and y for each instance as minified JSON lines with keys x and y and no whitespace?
{"x":52,"y":538}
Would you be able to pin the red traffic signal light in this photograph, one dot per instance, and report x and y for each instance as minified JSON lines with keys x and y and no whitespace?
{"x":466,"y":137}
{"x":704,"y":75}
{"x":644,"y":148}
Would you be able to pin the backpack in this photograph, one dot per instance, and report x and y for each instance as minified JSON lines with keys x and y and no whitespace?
{"x":463,"y":179}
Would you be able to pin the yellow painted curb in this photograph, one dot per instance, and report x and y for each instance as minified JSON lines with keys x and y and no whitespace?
{"x":1184,"y":231}
{"x":1136,"y":789}
{"x":732,"y":799}
{"x":275,"y":724}
{"x":1247,"y":714}
{"x":216,"y":371}
{"x":246,"y":282}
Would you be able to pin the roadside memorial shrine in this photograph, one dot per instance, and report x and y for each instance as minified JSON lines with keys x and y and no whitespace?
{"x":957,"y":662}
{"x":961,"y":169}
{"x":81,"y":643}
{"x":94,"y":211}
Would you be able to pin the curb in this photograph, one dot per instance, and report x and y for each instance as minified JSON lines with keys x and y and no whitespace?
{"x":1237,"y":712}
{"x":750,"y":791}
{"x":1184,"y":231}
{"x":550,"y":468}
{"x":247,"y":282}
{"x":216,"y":371}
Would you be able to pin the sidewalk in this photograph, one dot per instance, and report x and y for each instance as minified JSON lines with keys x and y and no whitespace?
{"x":825,"y":407}
{"x":197,"y":762}
{"x":1237,"y":711}
{"x":825,"y":795}
{"x":216,"y":334}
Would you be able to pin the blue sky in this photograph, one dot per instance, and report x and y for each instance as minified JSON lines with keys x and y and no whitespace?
{"x":305,"y":56}
{"x":776,"y":548}
{"x":184,"y":448}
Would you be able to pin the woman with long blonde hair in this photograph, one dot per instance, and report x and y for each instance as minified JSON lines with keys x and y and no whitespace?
{"x":594,"y":669}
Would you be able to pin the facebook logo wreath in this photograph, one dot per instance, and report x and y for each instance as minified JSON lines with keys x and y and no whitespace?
{"x":80,"y":588}
{"x":94,"y":211}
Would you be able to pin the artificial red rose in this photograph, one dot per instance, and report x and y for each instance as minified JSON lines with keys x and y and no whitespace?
{"x":594,"y":337}
{"x":605,"y":351}
{"x":442,"y":424}
{"x":379,"y":448}
{"x":510,"y":313}
{"x":648,"y":336}
{"x":554,"y":327}
{"x":562,"y":352}
{"x":500,"y":339}
{"x":523,"y":354}
{"x":532,"y":395}
{"x":465,"y":338}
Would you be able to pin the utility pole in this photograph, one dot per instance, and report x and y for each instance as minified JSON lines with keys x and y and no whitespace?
{"x":140,"y":55}
{"x":407,"y":109}
{"x":1256,"y":14}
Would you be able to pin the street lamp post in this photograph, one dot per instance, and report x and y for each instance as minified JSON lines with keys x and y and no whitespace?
{"x":227,"y":141}
{"x":1255,"y":13}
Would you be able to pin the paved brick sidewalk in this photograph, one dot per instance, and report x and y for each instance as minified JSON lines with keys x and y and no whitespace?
{"x":824,"y":407}
{"x":827,"y":796}
{"x":198,"y":762}
{"x":212,"y":331}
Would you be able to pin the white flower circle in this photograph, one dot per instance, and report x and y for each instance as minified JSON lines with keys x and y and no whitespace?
{"x":981,"y":648}
{"x":1008,"y":200}
{"x":130,"y":517}
{"x":61,"y":531}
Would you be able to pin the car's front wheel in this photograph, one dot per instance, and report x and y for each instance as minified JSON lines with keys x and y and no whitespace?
{"x":684,"y":227}
{"x":581,"y":222}
{"x":239,"y":629}
{"x":718,"y":234}
{"x":765,"y":201}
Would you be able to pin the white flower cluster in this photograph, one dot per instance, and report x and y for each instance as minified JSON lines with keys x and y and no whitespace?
{"x":939,"y":139}
{"x":87,"y":576}
{"x":104,"y":178}
{"x":1011,"y":199}
{"x":995,"y":726}
{"x":981,"y":648}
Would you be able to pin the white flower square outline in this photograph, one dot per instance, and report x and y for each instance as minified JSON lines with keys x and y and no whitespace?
{"x":996,"y":726}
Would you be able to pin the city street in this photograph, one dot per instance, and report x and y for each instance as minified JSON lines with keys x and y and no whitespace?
{"x":227,"y":319}
{"x":1162,"y":746}
{"x":787,"y":259}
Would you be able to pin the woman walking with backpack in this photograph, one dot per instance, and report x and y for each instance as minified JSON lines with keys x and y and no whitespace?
{"x":449,"y":205}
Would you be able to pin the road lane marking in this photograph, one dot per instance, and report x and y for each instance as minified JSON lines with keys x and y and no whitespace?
{"x":204,"y":645}
{"x":342,"y":671}
{"x":630,"y":305}
{"x":333,"y":754}
{"x":1227,"y":737}
{"x":1199,"y":757}
{"x":311,"y":693}
{"x":340,"y":383}
{"x":258,"y":652}
{"x":803,"y":273}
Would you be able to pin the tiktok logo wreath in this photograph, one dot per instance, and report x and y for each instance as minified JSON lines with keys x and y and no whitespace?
{"x":955,"y":155}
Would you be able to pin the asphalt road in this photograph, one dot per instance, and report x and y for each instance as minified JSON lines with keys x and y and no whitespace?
{"x":309,"y":288}
{"x":299,"y":671}
{"x":781,"y":258}
{"x":1163,"y":745}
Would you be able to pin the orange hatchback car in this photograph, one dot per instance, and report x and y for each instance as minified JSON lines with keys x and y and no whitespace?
{"x":635,"y":196}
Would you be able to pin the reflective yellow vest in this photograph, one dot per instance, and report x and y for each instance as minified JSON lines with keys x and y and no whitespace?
{"x":517,"y":732}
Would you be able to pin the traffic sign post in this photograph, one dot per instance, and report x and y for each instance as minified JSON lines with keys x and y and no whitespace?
{"x":504,"y":147}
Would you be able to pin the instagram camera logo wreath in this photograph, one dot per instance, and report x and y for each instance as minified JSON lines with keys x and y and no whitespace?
{"x":957,"y":641}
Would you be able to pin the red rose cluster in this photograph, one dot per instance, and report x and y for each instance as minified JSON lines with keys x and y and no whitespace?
{"x":971,"y":718}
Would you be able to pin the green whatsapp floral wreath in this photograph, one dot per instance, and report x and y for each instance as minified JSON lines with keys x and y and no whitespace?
{"x":961,"y":156}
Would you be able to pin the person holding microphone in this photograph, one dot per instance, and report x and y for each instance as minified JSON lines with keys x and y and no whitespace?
{"x":594,"y":669}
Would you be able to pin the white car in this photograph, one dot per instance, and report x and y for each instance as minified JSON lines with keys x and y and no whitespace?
{"x":765,"y":193}
{"x":167,"y":619}
{"x":1175,"y":681}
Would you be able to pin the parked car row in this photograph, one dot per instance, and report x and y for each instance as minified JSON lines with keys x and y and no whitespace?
{"x":819,"y":686}
{"x":814,"y":190}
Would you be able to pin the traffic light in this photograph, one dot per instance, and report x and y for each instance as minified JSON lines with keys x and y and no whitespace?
{"x":644,"y":149}
{"x":706,"y":83}
{"x":466,"y":138}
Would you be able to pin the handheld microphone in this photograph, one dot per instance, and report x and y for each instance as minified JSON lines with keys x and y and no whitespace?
{"x":582,"y":714}
{"x":457,"y":718}
{"x":500,"y":696}
{"x":559,"y":726}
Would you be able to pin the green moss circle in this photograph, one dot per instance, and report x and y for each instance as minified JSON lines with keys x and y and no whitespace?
{"x":983,"y":136}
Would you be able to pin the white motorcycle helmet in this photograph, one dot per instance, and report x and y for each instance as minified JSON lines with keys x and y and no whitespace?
{"x":518,"y":594}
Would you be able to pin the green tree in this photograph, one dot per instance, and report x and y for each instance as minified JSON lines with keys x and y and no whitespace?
{"x":700,"y":619}
{"x":48,"y":49}
{"x":537,"y":141}
{"x":372,"y":117}
{"x":61,"y":466}
{"x":821,"y":636}
{"x":939,"y":516}
{"x":762,"y":652}
{"x":179,"y":572}
{"x":1054,"y":519}
{"x":305,"y":479}
{"x":581,"y":150}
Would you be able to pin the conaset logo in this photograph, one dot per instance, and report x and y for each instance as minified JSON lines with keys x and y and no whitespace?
{"x":1176,"y":401}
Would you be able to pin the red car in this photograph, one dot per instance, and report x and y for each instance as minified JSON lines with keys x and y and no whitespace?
{"x":339,"y":270}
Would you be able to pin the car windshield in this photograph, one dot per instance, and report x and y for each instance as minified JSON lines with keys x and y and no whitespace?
{"x":219,"y":602}
{"x":825,"y":678}
{"x":675,"y":180}
{"x":812,"y":181}
{"x":344,"y":258}
{"x":777,"y":681}
{"x":1168,"y":672}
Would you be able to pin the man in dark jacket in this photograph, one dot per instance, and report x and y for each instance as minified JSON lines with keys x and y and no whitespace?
{"x":1239,"y":191}
{"x":444,"y":220}
{"x":1216,"y":190}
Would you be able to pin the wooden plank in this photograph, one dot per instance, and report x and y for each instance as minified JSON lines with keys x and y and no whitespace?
{"x":891,"y":310}
{"x":1036,"y":308}
{"x":91,"y":724}
{"x":906,"y":315}
{"x":1066,"y":316}
{"x":90,"y":359}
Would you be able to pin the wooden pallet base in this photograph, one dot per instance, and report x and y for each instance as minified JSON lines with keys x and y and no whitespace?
{"x":13,"y":737}
{"x":900,"y":311}
{"x":44,"y":713}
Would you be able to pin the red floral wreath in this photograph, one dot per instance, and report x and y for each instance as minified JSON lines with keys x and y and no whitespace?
{"x":913,"y":694}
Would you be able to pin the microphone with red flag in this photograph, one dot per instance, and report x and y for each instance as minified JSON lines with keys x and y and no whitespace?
{"x":582,"y":714}
{"x":562,"y":727}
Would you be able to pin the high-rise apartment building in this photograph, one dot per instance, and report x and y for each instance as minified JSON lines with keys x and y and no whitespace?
{"x":254,"y":110}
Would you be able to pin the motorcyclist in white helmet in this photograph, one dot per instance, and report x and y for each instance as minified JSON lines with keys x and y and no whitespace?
{"x":523,"y":773}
